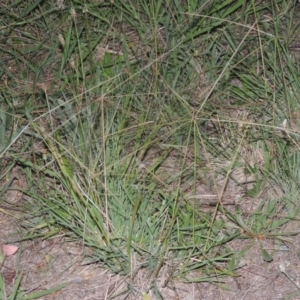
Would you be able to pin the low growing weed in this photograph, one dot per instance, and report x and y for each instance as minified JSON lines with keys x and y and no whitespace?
{"x":147,"y":109}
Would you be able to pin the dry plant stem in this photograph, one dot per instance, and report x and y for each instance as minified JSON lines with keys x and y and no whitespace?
{"x":282,"y":270}
{"x":220,"y":195}
{"x":104,"y":167}
{"x":224,"y":70}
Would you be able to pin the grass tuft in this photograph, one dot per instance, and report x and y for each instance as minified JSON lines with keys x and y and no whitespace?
{"x":158,"y":131}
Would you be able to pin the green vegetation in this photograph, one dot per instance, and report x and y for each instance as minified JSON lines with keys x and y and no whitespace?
{"x":133,"y":115}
